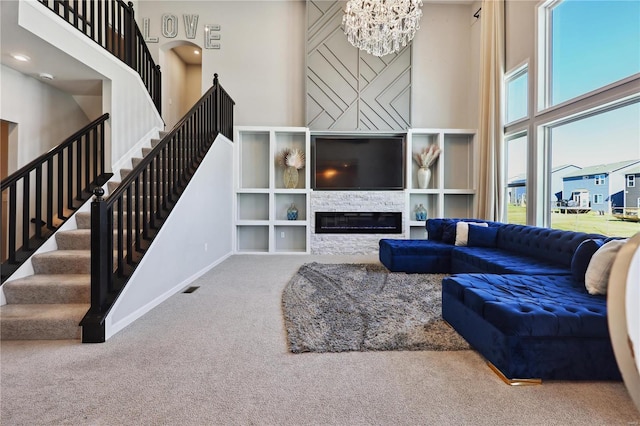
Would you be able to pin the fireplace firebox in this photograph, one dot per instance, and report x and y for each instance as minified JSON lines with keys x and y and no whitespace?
{"x":358,"y":223}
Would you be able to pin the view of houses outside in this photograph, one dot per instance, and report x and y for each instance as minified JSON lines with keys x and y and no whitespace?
{"x":595,"y":157}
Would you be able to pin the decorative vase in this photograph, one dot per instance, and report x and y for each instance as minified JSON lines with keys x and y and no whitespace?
{"x":292,"y":212}
{"x":290,"y":177}
{"x":424,"y":176}
{"x":421,"y":213}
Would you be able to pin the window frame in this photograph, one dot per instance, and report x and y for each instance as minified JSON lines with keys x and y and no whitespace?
{"x":544,"y":50}
{"x":596,"y":197}
{"x":631,"y":181}
{"x":600,"y":180}
{"x":513,"y":74}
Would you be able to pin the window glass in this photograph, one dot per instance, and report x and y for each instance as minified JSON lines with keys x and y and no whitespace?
{"x":593,"y":43}
{"x":517,"y":180}
{"x":589,"y":159}
{"x":631,"y":181}
{"x":516,"y":87}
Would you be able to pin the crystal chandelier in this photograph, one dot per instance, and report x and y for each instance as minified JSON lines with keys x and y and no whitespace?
{"x":381,"y":27}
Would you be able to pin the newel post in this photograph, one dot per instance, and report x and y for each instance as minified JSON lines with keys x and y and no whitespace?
{"x":100,"y":258}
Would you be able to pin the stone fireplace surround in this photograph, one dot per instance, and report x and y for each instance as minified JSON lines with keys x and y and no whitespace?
{"x":353,"y":201}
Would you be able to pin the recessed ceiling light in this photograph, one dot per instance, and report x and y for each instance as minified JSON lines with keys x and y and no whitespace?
{"x":20,"y":57}
{"x":45,"y":76}
{"x":197,"y":52}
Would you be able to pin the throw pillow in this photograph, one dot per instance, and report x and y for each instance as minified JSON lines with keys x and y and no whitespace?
{"x":449,"y":232}
{"x":596,"y":278}
{"x":462,"y":232}
{"x":582,"y":257}
{"x":482,"y":236}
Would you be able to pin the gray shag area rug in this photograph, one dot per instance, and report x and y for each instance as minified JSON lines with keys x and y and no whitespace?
{"x":364,"y":307}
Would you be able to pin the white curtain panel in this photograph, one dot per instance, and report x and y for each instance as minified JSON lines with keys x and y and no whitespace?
{"x":490,"y":137}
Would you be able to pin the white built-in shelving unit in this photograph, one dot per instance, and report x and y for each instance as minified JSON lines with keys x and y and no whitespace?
{"x":451,"y":191}
{"x":261,"y":199}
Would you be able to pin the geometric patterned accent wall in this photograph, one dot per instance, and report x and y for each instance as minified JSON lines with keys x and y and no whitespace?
{"x":349,"y":89}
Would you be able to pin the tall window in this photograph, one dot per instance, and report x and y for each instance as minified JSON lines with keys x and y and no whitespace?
{"x":517,"y":83}
{"x":516,"y":191}
{"x":587,"y":103}
{"x":631,"y":181}
{"x":591,"y":44}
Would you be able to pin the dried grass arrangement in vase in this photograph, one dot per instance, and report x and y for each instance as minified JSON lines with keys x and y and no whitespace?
{"x":425,"y":159}
{"x":292,"y":159}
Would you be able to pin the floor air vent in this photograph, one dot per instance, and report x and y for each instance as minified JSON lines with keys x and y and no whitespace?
{"x":191,"y":289}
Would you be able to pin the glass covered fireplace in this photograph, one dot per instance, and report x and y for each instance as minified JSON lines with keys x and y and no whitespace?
{"x":358,"y":223}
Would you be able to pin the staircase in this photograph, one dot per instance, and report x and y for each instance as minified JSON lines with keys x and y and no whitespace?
{"x":50,"y":304}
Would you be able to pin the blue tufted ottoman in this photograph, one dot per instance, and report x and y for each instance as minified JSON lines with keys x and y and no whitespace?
{"x":416,"y":256}
{"x":532,"y":326}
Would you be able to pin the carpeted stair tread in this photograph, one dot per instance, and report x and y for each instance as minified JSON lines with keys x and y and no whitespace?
{"x":76,"y":239}
{"x":62,"y":262}
{"x":49,"y":289}
{"x":41,"y":321}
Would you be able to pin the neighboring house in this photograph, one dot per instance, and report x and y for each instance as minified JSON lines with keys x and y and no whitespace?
{"x":517,"y":192}
{"x":632,"y":187}
{"x":603,"y":183}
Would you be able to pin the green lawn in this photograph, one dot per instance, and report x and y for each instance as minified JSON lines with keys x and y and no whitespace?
{"x":587,"y":222}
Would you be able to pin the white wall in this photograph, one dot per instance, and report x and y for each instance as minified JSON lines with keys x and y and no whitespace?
{"x":445,"y":82}
{"x":262,"y":59}
{"x":196,"y":237}
{"x":45,"y":115}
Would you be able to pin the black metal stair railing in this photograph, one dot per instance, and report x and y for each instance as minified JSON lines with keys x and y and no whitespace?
{"x":124,"y":225}
{"x":112,"y":24}
{"x":43,"y":194}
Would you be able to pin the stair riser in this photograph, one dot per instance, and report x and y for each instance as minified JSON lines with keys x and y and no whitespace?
{"x":54,"y":293}
{"x":40,"y":330}
{"x":43,"y":264}
{"x":67,"y":241}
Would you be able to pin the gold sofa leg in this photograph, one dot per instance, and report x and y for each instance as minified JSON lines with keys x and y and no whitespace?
{"x":514,"y":382}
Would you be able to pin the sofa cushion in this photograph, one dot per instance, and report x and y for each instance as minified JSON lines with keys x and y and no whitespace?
{"x":596,"y":278}
{"x":480,"y":236}
{"x":526,"y":305}
{"x":552,"y":245}
{"x":582,"y":257}
{"x":497,"y":261}
{"x":415,"y":256}
{"x":462,"y":231}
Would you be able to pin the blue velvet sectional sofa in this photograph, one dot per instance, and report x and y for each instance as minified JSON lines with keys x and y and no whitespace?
{"x":517,"y":295}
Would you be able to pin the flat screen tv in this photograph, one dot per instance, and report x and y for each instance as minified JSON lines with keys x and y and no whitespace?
{"x":358,"y":163}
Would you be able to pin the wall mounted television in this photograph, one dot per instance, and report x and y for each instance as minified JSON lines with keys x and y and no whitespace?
{"x":371,"y":163}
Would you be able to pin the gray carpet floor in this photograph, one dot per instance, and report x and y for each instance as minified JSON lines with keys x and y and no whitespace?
{"x":219,"y":356}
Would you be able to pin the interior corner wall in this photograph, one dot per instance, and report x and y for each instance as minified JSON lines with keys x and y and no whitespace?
{"x":261,"y":58}
{"x":45,"y":115}
{"x":173,"y":88}
{"x":193,"y":86}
